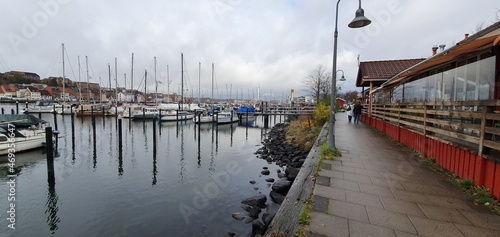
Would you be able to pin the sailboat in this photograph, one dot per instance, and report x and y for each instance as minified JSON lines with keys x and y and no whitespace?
{"x":64,"y":108}
{"x":181,"y":114}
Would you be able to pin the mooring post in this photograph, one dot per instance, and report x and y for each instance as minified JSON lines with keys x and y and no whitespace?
{"x":120,"y":134}
{"x":103,"y":111}
{"x":39,"y":115}
{"x":55,"y":117}
{"x":12,"y":111}
{"x":143,"y":114}
{"x":50,"y":154}
{"x":120,"y":151}
{"x":17,"y":107}
{"x":129,"y":112}
{"x":26,"y":104}
{"x":246,"y":118}
{"x":266,"y":121}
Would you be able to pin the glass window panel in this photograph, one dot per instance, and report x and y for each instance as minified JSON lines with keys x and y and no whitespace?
{"x":486,"y":80}
{"x":459,"y":84}
{"x":448,"y":84}
{"x":471,"y":86}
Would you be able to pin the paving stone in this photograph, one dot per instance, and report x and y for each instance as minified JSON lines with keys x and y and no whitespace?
{"x":330,"y":192}
{"x":371,"y":173}
{"x":436,"y":228}
{"x":472,"y":231}
{"x":404,"y":234}
{"x":353,"y":164}
{"x":411,"y":196}
{"x":326,"y":166}
{"x":332,"y":174}
{"x":328,"y":225}
{"x":358,"y":178}
{"x":375,"y":190}
{"x":418,"y":188}
{"x":320,"y":204}
{"x":362,"y":229}
{"x":485,"y":220}
{"x":322,"y":180}
{"x":344,"y":184}
{"x":449,"y":202}
{"x":343,"y":168}
{"x":444,"y":214}
{"x":363,"y":199}
{"x":389,"y":219}
{"x":401,"y":206}
{"x":348,"y":210}
{"x":386,"y":183}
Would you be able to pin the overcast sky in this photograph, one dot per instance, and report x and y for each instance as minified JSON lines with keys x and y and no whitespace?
{"x":273,"y":44}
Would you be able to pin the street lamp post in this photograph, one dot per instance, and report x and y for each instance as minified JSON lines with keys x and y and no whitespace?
{"x":359,"y":21}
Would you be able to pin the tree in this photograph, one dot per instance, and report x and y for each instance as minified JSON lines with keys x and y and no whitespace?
{"x":349,"y":96}
{"x":318,"y":83}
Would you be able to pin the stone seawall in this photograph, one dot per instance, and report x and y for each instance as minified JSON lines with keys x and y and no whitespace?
{"x":286,"y":220}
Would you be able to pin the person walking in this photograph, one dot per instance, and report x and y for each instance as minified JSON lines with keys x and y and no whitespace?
{"x":357,"y":112}
{"x":349,"y":112}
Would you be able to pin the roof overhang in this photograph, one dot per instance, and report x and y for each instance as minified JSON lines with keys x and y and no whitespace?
{"x":461,"y":49}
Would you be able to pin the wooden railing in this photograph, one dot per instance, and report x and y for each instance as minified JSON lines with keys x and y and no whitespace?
{"x":474,"y":124}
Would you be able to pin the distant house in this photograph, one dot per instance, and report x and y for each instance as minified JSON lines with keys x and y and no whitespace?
{"x":125,"y":97}
{"x":7,"y":91}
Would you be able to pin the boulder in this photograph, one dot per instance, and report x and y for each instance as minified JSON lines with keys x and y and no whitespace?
{"x":276,"y":197}
{"x":258,"y":228}
{"x":258,"y":200}
{"x":282,"y":186}
{"x":270,"y":180}
{"x":238,"y":216}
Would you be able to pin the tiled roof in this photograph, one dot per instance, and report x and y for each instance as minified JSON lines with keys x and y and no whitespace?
{"x":382,"y":69}
{"x":386,"y":69}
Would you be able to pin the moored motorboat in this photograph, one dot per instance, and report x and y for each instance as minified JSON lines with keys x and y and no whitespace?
{"x":20,"y":133}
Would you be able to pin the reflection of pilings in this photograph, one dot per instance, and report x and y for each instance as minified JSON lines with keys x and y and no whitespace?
{"x":199,"y":143}
{"x":55,"y":117}
{"x":12,"y":111}
{"x":3,"y":111}
{"x":73,"y":133}
{"x":120,"y":147}
{"x":94,"y":139}
{"x":50,"y":155}
{"x":154,"y":152}
{"x":52,"y":198}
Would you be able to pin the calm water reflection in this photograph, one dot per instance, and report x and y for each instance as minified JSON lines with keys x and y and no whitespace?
{"x":188,"y":184}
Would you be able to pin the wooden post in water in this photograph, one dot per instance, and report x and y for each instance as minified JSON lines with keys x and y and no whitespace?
{"x":40,"y":115}
{"x":26,"y":104}
{"x":143,"y":114}
{"x":266,"y":121}
{"x":50,"y":155}
{"x":103,"y":112}
{"x":17,"y":107}
{"x":3,"y":110}
{"x":12,"y":111}
{"x":55,"y":117}
{"x":120,"y":143}
{"x":92,"y":114}
{"x":129,"y":112}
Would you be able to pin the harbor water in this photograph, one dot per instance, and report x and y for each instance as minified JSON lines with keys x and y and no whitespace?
{"x":185,"y":180}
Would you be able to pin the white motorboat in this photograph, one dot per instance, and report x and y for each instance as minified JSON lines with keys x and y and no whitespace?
{"x":174,"y":115}
{"x":20,"y":133}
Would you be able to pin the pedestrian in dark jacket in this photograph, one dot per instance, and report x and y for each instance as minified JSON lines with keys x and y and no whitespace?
{"x":357,"y":112}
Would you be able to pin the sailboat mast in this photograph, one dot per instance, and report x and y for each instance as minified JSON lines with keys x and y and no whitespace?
{"x":199,"y":81}
{"x":63,"y":80}
{"x":182,"y":80}
{"x":156,"y":84}
{"x":109,"y":77}
{"x":132,"y":79}
{"x":212,"y":88}
{"x":145,"y":84}
{"x":168,"y":85}
{"x":87,"y":67}
{"x":116,"y":80}
{"x":79,"y":80}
